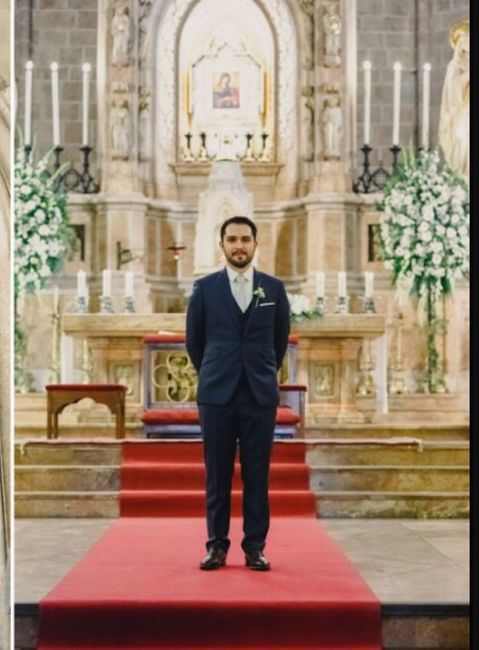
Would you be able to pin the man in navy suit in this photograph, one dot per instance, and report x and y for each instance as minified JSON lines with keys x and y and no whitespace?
{"x":236,"y":335}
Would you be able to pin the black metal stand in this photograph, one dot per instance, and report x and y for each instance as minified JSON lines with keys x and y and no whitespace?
{"x":83,"y":181}
{"x":375,"y":181}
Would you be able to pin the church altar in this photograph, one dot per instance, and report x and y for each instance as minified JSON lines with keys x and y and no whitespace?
{"x":107,"y":348}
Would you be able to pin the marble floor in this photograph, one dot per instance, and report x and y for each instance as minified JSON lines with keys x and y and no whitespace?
{"x":403,"y":561}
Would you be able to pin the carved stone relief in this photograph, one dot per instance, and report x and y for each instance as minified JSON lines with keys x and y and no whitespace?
{"x":332,"y":29}
{"x":321,"y":376}
{"x":307,"y":120}
{"x":307,"y":7}
{"x":144,"y":137}
{"x":120,"y":123}
{"x":121,"y":35}
{"x":331,"y":123}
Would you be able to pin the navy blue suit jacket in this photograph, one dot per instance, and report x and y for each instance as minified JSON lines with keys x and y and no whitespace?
{"x":220,"y":348}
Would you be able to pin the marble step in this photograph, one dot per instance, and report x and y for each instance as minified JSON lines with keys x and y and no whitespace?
{"x":54,"y":453}
{"x":333,"y":504}
{"x":389,"y":478}
{"x":371,"y":504}
{"x":67,"y":504}
{"x":446,"y":452}
{"x":423,"y":432}
{"x":67,"y":478}
{"x":342,"y":477}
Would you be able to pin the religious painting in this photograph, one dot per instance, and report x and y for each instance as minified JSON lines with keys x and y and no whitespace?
{"x":226,"y":90}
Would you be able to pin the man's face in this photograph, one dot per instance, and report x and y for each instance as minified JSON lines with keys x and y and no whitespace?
{"x":238,"y":245}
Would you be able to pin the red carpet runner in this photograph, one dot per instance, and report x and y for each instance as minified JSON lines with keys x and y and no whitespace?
{"x":140,"y":587}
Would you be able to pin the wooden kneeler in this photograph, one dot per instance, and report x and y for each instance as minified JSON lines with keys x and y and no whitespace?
{"x":59,"y":396}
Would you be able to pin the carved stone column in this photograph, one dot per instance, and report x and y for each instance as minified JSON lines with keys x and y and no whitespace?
{"x":332,"y":166}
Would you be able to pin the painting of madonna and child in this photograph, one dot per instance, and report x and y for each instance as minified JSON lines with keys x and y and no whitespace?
{"x":226,"y":90}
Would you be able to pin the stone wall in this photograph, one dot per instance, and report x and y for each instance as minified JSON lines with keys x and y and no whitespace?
{"x":386,"y":33}
{"x":64,"y":31}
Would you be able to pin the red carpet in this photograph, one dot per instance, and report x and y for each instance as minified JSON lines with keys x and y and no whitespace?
{"x":140,"y":587}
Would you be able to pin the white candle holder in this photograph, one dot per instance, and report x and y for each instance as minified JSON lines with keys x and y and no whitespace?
{"x":81,"y":305}
{"x":342,"y":305}
{"x":129,"y":305}
{"x":106,"y":305}
{"x":368,"y":305}
{"x":320,"y":307}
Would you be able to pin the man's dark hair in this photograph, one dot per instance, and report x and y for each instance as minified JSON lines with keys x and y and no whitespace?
{"x":240,"y":220}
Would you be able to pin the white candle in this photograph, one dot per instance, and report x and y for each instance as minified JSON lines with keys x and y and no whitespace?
{"x":55,"y":105}
{"x":426,"y":78}
{"x":342,"y":284}
{"x":81,"y":284}
{"x":129,"y":284}
{"x":106,"y":284}
{"x":368,"y":284}
{"x":367,"y":100}
{"x":28,"y":102}
{"x":320,"y":285}
{"x":396,"y":102}
{"x":86,"y":67}
{"x":55,"y":299}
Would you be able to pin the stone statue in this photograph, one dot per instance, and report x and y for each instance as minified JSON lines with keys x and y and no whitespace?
{"x":120,"y":129}
{"x":332,"y":36}
{"x":308,"y":9}
{"x":120,"y":31}
{"x":144,"y":123}
{"x":454,"y":115}
{"x":308,"y":124}
{"x":332,"y":127}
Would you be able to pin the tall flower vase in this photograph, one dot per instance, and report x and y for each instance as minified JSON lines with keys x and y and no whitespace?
{"x":433,"y":381}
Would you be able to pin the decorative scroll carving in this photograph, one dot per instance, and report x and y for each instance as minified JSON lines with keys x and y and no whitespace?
{"x":174,"y":376}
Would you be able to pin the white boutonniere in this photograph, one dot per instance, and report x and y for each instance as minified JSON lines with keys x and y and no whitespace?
{"x":260,"y":294}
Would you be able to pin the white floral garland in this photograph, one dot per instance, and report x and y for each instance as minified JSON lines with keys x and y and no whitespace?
{"x":300,"y":307}
{"x":425,"y":225}
{"x":42,"y":226}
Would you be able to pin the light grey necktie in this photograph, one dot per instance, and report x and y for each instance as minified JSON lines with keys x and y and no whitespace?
{"x":240,"y":292}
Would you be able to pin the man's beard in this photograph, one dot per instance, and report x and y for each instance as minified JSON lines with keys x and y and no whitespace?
{"x":239,"y":263}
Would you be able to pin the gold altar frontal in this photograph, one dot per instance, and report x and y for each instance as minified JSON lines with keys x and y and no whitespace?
{"x":329,"y":357}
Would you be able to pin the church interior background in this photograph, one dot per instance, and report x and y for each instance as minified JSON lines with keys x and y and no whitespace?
{"x":197,"y":110}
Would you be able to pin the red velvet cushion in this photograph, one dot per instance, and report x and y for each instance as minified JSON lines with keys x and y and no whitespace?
{"x":293,"y":387}
{"x":164,"y":338}
{"x":171,"y":416}
{"x":86,"y":387}
{"x":284,"y":415}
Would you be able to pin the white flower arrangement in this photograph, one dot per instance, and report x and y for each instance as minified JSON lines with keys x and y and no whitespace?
{"x":42,"y":227}
{"x":425,"y":225}
{"x":300,"y":307}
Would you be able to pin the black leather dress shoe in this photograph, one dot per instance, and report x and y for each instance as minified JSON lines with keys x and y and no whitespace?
{"x":256,"y":560}
{"x":215,"y":559}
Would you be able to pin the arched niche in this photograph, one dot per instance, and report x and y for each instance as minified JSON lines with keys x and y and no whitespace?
{"x":160,"y":69}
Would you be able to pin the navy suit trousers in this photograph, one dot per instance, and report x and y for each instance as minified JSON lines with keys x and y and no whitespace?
{"x":240,"y":423}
